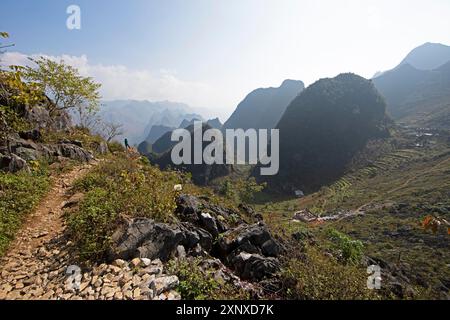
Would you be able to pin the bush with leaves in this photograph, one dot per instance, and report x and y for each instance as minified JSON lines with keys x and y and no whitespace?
{"x":350,"y":251}
{"x":316,"y":276}
{"x":115,"y":146}
{"x":19,"y":194}
{"x":197,"y":283}
{"x":16,"y":95}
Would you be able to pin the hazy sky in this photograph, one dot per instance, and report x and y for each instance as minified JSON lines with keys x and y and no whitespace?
{"x":211,"y":53}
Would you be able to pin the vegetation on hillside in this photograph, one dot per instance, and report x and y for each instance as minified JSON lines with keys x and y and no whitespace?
{"x":19,"y":194}
{"x":395,"y":194}
{"x":317,"y":276}
{"x":196,"y":283}
{"x":120,"y":187}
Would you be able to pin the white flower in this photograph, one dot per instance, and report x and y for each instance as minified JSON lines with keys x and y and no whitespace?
{"x":177,"y":187}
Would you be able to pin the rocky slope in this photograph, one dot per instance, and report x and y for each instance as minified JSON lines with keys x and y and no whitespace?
{"x":248,"y":249}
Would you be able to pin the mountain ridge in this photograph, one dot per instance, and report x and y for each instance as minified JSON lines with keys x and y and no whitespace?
{"x":263,"y":107}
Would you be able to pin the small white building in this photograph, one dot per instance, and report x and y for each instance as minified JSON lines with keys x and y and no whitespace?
{"x":299,"y":193}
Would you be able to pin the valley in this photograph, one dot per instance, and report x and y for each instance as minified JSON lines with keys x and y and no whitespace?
{"x":363,"y":184}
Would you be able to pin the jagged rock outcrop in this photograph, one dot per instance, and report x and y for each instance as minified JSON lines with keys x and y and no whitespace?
{"x":40,"y":117}
{"x":143,"y":237}
{"x":251,"y":250}
{"x":204,"y":229}
{"x":13,"y":163}
{"x":23,"y":150}
{"x":71,"y":151}
{"x":254,"y":266}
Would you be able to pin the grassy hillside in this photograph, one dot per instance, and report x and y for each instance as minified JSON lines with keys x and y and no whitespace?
{"x":393,"y":195}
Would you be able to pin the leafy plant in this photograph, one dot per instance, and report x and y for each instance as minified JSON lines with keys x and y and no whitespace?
{"x":115,"y":146}
{"x":316,"y":276}
{"x":197,"y":283}
{"x":351,"y":251}
{"x":19,"y":194}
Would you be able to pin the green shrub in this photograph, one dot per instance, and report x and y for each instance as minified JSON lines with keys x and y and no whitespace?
{"x":320,"y":277}
{"x":115,"y":146}
{"x":19,"y":194}
{"x":93,"y":224}
{"x":351,"y":251}
{"x":198,"y":284}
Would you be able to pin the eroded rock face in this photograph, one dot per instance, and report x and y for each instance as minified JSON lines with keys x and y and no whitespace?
{"x":254,"y":266}
{"x":13,"y":163}
{"x":144,"y":238}
{"x":29,"y":150}
{"x":40,"y":117}
{"x":249,"y":250}
{"x":72,"y":151}
{"x":34,"y":135}
{"x":245,"y":237}
{"x":204,"y":214}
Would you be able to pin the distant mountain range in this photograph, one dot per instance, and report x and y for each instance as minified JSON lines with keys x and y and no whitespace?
{"x":157,"y":131}
{"x":201,"y":173}
{"x":138,"y":117}
{"x":263,"y":108}
{"x":322,"y":128}
{"x":417,"y":91}
{"x":163,"y":141}
{"x":428,"y":56}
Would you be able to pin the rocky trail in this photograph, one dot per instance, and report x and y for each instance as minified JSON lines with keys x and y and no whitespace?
{"x":37,"y":264}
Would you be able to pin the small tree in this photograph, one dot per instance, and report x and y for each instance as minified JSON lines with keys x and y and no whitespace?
{"x":4,"y":35}
{"x":351,"y":251}
{"x":62,"y":83}
{"x":111,"y":130}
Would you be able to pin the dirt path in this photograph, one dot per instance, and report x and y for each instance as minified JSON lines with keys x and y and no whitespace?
{"x":36,"y":266}
{"x":39,"y":244}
